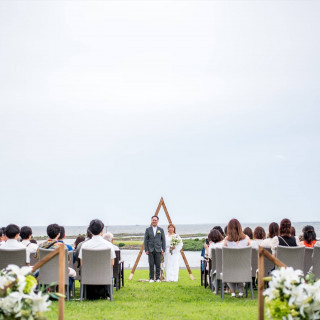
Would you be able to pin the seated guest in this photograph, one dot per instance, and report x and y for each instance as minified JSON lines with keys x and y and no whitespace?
{"x":77,"y":250}
{"x":258,"y":236}
{"x":25,"y":235}
{"x":248,"y":232}
{"x":220,"y":230}
{"x":62,"y":237}
{"x":1,"y":234}
{"x":109,"y":237}
{"x":78,"y":240}
{"x":53,"y":232}
{"x":97,"y":242}
{"x":273,"y":232}
{"x":236,"y":239}
{"x":215,"y":240}
{"x":309,"y":237}
{"x":12,"y":233}
{"x":285,"y":238}
{"x":4,"y":238}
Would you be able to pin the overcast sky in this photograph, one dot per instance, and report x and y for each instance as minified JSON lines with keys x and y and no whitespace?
{"x":105,"y":106}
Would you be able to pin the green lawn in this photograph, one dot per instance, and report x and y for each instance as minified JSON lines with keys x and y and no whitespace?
{"x":142,"y":300}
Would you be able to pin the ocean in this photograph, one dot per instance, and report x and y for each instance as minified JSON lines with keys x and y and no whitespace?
{"x":129,"y":256}
{"x":180,"y":228}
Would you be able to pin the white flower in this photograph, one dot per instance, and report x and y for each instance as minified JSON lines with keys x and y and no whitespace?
{"x":41,"y":302}
{"x":11,"y":303}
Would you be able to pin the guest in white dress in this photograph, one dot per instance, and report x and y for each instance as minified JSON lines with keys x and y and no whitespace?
{"x":236,"y":239}
{"x":171,"y":257}
{"x":273,"y":232}
{"x":215,"y":240}
{"x":258,"y":236}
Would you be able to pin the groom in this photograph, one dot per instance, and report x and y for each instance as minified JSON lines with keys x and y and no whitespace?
{"x":155,"y":245}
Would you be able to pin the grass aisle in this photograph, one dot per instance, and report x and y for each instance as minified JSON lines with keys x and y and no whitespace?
{"x":142,"y":300}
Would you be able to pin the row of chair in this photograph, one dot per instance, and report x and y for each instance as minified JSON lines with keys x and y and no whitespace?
{"x":241,"y":264}
{"x":95,"y":269}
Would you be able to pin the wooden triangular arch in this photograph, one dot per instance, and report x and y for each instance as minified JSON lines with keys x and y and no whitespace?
{"x":161,"y":203}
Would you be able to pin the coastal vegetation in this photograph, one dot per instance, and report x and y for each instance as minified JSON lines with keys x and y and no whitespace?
{"x":185,"y":299}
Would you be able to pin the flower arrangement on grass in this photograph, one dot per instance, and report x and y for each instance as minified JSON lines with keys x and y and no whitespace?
{"x":175,"y":240}
{"x":291,"y":297}
{"x":18,"y":299}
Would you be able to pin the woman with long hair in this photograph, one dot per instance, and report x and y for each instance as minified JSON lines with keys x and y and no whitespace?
{"x":285,"y":238}
{"x":236,"y":239}
{"x":171,"y":257}
{"x":273,"y":232}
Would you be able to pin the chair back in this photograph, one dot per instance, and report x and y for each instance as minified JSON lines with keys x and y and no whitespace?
{"x":49,"y":272}
{"x":291,"y":256}
{"x":236,"y":264}
{"x":268,"y":265}
{"x":218,"y":256}
{"x":316,"y":262}
{"x":254,"y":262}
{"x":96,"y":267}
{"x":307,"y":260}
{"x":33,"y":259}
{"x":12,"y":256}
{"x":213,"y":258}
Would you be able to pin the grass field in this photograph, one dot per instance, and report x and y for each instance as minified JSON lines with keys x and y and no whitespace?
{"x":142,"y":300}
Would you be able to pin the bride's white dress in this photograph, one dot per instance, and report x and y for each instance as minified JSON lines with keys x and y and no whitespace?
{"x":172,"y":260}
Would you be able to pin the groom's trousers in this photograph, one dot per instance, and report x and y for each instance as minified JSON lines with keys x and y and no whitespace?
{"x":154,"y":260}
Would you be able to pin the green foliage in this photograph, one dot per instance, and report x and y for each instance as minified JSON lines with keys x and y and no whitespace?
{"x":185,"y":300}
{"x":121,"y":244}
{"x":192,"y":244}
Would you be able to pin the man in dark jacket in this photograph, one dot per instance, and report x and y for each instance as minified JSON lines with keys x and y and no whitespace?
{"x":155,"y":246}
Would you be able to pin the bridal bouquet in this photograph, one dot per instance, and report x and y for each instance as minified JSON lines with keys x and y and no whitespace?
{"x":18,"y":299}
{"x":175,"y":240}
{"x":291,"y":297}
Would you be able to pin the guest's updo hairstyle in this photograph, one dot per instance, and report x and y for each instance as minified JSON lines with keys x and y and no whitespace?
{"x":215,"y":236}
{"x":173,"y":226}
{"x":285,"y":226}
{"x":273,"y":230}
{"x":309,"y":234}
{"x":234,"y":231}
{"x":259,"y":233}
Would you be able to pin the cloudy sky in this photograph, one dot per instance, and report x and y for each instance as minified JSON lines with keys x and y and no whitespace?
{"x":105,"y":106}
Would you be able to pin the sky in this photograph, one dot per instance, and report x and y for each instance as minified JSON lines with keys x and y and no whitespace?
{"x":107,"y":106}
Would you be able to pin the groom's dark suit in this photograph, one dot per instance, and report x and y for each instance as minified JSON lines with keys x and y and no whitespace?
{"x":154,"y":244}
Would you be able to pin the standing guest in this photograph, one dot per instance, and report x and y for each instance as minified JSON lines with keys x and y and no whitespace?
{"x":109,"y":237}
{"x":53,"y":232}
{"x":258,"y":235}
{"x":215,"y":240}
{"x":236,"y":239}
{"x":285,"y":238}
{"x":309,"y":237}
{"x":248,"y":232}
{"x":273,"y":232}
{"x":25,"y":235}
{"x":12,"y":233}
{"x":171,"y":258}
{"x":155,"y":246}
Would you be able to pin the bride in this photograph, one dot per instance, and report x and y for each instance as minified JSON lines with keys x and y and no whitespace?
{"x":173,"y":246}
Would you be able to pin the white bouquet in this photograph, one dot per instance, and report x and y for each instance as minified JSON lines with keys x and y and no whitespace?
{"x":18,"y":299}
{"x":291,"y":297}
{"x":175,"y":240}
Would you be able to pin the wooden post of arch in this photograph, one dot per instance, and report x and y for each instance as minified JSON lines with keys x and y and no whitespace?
{"x":163,"y":205}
